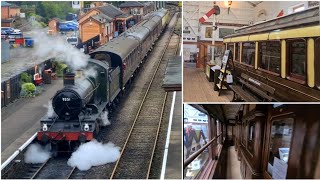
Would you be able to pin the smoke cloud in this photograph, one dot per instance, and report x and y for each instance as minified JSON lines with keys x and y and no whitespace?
{"x":50,"y":112}
{"x":90,"y":72}
{"x":105,"y":119}
{"x":94,"y":153}
{"x":36,"y":154}
{"x":48,"y":47}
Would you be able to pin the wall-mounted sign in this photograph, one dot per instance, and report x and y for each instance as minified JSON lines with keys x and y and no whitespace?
{"x":208,"y":33}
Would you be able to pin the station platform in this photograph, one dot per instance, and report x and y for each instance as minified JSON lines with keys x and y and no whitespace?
{"x":196,"y":87}
{"x":173,"y":75}
{"x":21,"y":59}
{"x":20,"y":120}
{"x":174,"y":150}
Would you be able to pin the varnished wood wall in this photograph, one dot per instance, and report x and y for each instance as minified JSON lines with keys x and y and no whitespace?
{"x":304,"y":156}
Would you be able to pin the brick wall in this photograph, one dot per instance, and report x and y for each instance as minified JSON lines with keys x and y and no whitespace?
{"x":4,"y":12}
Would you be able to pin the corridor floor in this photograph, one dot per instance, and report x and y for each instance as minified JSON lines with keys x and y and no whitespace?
{"x":233,"y":169}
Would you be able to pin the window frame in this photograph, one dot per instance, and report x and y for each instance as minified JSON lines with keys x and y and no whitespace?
{"x":260,"y":57}
{"x":242,"y":62}
{"x":251,"y":151}
{"x":237,"y":51}
{"x":293,"y":76}
{"x":268,"y":141}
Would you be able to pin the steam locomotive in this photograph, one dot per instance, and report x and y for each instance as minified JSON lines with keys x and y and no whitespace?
{"x":83,"y":103}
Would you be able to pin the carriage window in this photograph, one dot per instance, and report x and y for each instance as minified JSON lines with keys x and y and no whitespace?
{"x":270,"y":56}
{"x":297,"y":57}
{"x":248,"y":53}
{"x":251,"y":128}
{"x":237,"y":52}
{"x":231,"y":47}
{"x":279,"y":148}
{"x":195,"y":136}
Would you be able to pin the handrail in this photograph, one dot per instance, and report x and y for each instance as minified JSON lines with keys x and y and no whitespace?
{"x":196,"y":154}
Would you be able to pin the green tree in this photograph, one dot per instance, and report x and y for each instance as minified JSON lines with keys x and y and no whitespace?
{"x":52,"y":9}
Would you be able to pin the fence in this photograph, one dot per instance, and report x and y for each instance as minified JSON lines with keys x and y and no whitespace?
{"x":10,"y":88}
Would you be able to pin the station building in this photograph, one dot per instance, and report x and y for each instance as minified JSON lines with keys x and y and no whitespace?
{"x":272,"y":53}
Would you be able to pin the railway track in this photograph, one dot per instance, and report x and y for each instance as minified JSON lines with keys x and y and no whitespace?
{"x":53,"y":168}
{"x":137,"y":153}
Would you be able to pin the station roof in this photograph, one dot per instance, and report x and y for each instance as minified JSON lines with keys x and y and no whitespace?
{"x":110,"y":10}
{"x":102,"y":18}
{"x":173,"y":76}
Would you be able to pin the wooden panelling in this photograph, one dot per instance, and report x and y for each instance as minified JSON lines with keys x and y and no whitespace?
{"x":304,"y":148}
{"x":88,"y":14}
{"x":251,"y":149}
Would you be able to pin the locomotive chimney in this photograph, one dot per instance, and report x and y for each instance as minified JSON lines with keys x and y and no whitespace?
{"x":68,"y":79}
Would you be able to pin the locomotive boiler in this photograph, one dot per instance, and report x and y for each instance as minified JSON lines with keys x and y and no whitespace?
{"x":78,"y":106}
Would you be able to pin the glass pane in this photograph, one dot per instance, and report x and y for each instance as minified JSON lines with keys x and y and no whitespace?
{"x":248,"y":53}
{"x":270,"y":56}
{"x":251,"y":129}
{"x":279,"y":148}
{"x":194,"y":168}
{"x":237,"y":52}
{"x":195,"y":134}
{"x":298,"y":57}
{"x":195,"y":130}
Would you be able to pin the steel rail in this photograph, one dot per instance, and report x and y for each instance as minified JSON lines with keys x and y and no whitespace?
{"x":40,"y":168}
{"x":69,"y":175}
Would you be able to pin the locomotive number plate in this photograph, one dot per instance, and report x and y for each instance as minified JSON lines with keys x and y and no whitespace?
{"x":65,"y":99}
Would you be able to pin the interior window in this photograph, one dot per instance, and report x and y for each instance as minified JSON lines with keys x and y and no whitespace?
{"x":237,"y":52}
{"x":297,"y":57}
{"x":279,"y":148}
{"x":248,"y":53}
{"x":270,"y":56}
{"x":251,"y":128}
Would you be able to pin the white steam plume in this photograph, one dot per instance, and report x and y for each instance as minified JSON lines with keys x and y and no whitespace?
{"x":48,"y":47}
{"x":50,"y":112}
{"x":94,"y":153}
{"x":105,"y":119}
{"x":90,"y":72}
{"x":36,"y":154}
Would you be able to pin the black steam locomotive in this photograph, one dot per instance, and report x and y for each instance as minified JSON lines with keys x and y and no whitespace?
{"x":81,"y":106}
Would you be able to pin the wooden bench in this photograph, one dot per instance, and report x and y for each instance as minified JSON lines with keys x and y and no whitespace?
{"x":252,"y":90}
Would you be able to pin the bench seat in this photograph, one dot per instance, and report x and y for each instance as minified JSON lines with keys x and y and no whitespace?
{"x":237,"y":89}
{"x":252,"y":90}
